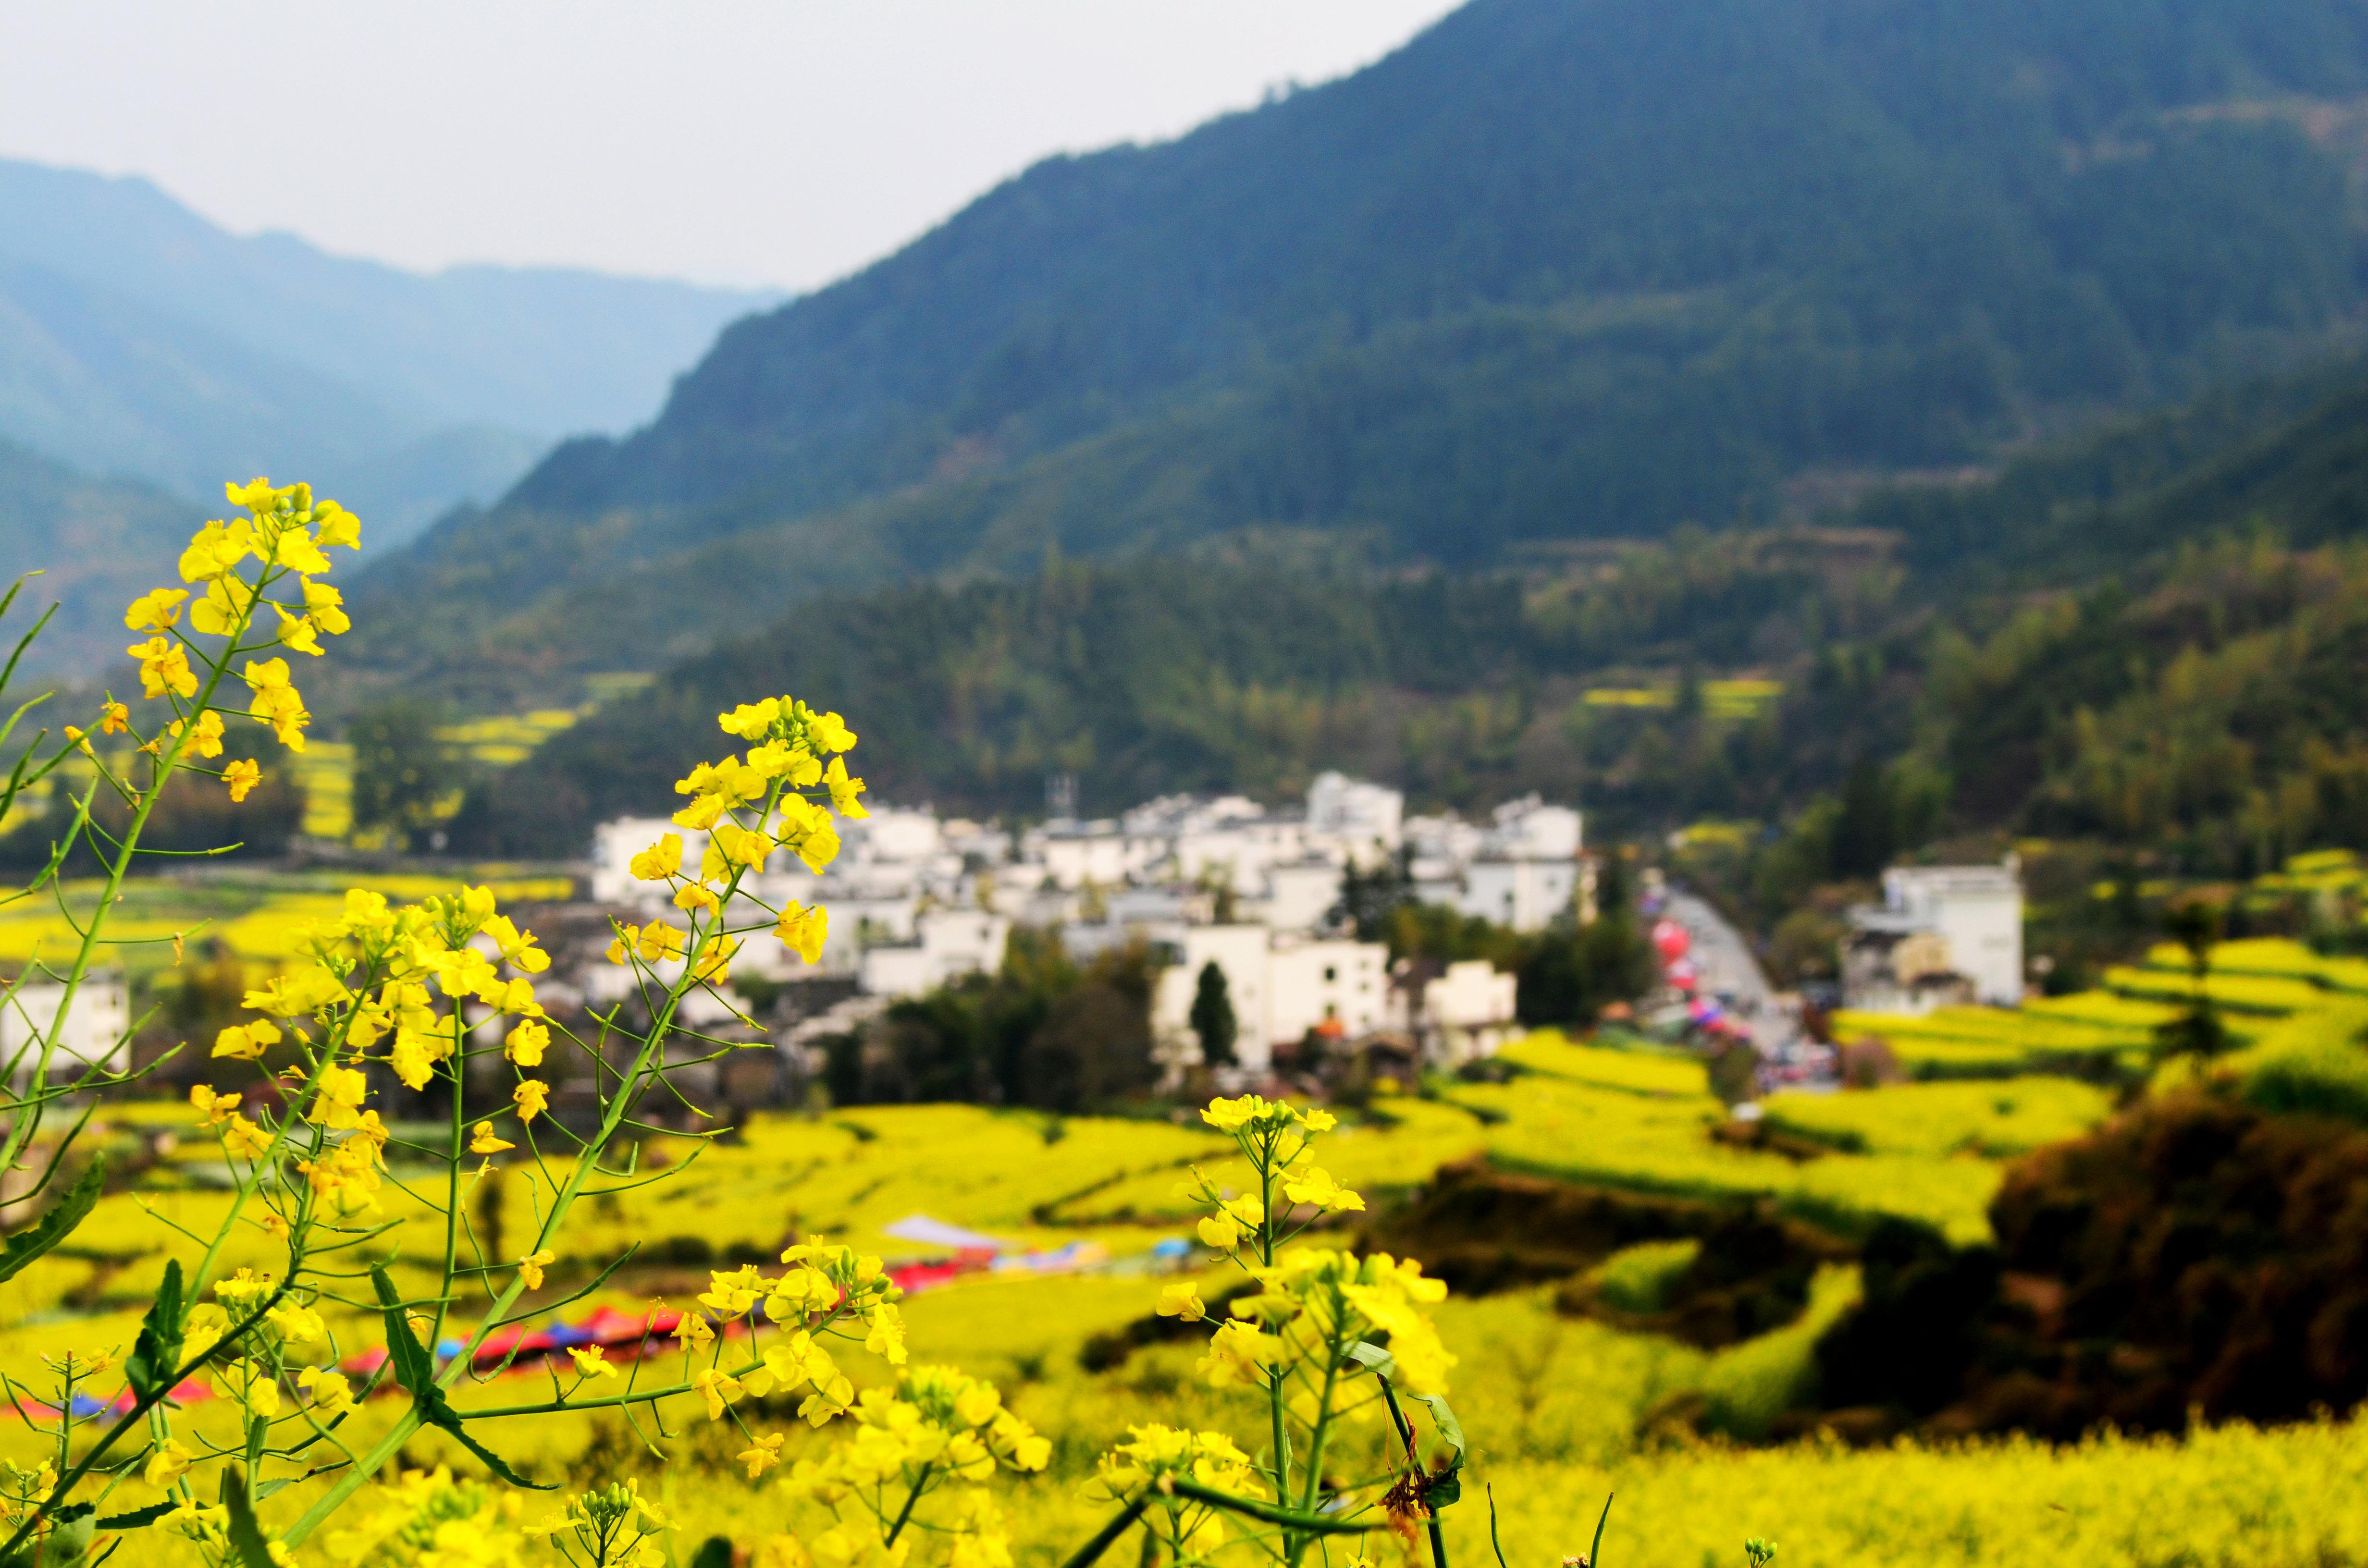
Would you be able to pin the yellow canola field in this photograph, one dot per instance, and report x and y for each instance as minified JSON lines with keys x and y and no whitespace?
{"x":1554,"y":1405}
{"x":1550,"y":1406}
{"x":259,"y":920}
{"x":2000,"y":1118}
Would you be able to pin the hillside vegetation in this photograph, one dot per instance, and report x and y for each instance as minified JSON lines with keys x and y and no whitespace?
{"x":1552,"y":271}
{"x":2145,"y":635}
{"x":96,"y":544}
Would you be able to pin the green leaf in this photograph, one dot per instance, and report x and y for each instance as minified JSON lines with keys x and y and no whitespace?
{"x":1370,"y":1359}
{"x":246,"y":1543}
{"x":1595,"y":1548}
{"x":439,"y":1415}
{"x":412,"y":1367}
{"x":67,"y":1544}
{"x":417,"y":1373}
{"x":1445,"y":1486}
{"x":138,"y":1518}
{"x":156,"y":1354}
{"x":1450,"y":1431}
{"x":56,"y":1225}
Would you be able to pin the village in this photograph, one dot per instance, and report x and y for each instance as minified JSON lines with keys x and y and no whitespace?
{"x":1228,"y":893}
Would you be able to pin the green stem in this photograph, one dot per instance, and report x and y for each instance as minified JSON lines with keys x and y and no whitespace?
{"x":1086,"y":1555}
{"x":452,"y":1171}
{"x":1313,"y":1524}
{"x":27,"y":1123}
{"x":1281,"y":1434}
{"x":920,"y":1483}
{"x":1317,"y":1439}
{"x":1406,"y":1435}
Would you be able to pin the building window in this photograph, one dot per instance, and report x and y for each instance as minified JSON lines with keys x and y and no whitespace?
{"x":1331,"y":974}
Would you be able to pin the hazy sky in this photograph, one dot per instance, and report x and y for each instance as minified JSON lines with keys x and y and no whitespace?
{"x":781,"y":143}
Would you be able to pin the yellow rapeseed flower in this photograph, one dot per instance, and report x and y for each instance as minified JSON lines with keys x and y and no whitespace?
{"x":828,"y":732}
{"x":804,"y":930}
{"x":332,"y":1393}
{"x":763,"y":1454}
{"x":246,"y":1043}
{"x":167,"y":1463}
{"x":591,"y":1361}
{"x":844,"y":790}
{"x":155,"y":610}
{"x":163,"y":666}
{"x":660,"y":861}
{"x":1181,"y":1303}
{"x":527,"y":1043}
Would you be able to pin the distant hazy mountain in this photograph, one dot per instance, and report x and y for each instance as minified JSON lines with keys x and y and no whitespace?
{"x":98,"y":544}
{"x":1558,"y":269}
{"x":137,"y":338}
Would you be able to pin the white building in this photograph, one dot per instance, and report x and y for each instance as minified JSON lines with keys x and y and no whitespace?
{"x":1280,"y":986}
{"x":1530,"y":829}
{"x":1074,"y":855}
{"x":1240,"y":953}
{"x":907,"y":883}
{"x":1462,"y":1012}
{"x":1335,"y":984}
{"x":1360,"y":820}
{"x":1526,"y":895}
{"x":95,"y":1033}
{"x":1299,"y":895}
{"x":948,"y":944}
{"x":1940,"y":933}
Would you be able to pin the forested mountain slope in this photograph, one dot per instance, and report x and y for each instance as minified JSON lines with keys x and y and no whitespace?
{"x":2172,"y":672}
{"x":1558,"y":268}
{"x":97,"y":544}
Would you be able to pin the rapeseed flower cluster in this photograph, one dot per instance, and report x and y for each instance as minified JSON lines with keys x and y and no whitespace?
{"x":403,"y":988}
{"x":1150,"y":1465}
{"x":937,"y":1427}
{"x":776,"y":798}
{"x":426,"y":1519}
{"x":285,"y":533}
{"x":609,"y":1527}
{"x":1322,"y":1339}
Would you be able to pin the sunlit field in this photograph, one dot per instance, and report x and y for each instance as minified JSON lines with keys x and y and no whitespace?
{"x":1559,"y":1407}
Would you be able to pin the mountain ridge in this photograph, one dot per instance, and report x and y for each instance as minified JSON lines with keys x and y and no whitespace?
{"x":138,"y":337}
{"x":1550,"y":271}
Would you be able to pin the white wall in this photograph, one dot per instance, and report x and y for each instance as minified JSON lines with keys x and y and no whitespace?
{"x":1354,"y":814}
{"x":1310,"y":982}
{"x":1240,"y":954}
{"x":1532,"y":829}
{"x":1469,"y":994}
{"x":889,"y":833}
{"x":895,"y":972}
{"x":1526,"y":895}
{"x":1977,"y":910}
{"x":94,"y":1032}
{"x":1299,"y":896}
{"x":963,"y":942}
